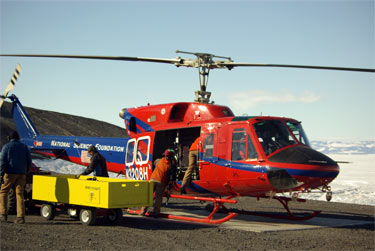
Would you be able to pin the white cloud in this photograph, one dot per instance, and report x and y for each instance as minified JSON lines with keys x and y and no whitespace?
{"x":249,"y":99}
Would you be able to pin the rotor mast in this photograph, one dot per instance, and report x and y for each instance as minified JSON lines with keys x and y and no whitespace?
{"x":203,"y":63}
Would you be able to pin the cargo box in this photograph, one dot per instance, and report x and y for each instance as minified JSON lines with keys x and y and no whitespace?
{"x":92,"y":191}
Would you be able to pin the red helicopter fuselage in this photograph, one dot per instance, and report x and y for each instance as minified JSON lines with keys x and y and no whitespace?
{"x":241,"y":156}
{"x":246,"y":156}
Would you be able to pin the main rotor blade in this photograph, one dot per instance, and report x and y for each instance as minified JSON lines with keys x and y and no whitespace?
{"x":155,"y":60}
{"x":230,"y":65}
{"x":189,"y":62}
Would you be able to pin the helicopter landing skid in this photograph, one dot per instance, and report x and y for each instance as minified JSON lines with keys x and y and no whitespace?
{"x":218,"y":203}
{"x":284,"y":201}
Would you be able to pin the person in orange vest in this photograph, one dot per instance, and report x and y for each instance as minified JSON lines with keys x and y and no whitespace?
{"x":160,"y":178}
{"x":193,"y":158}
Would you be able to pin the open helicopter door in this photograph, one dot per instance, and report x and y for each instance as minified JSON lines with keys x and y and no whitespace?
{"x":206,"y":151}
{"x":211,"y":166}
{"x":180,"y":141}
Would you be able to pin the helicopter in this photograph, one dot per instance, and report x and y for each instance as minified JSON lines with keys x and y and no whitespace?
{"x":257,"y":156}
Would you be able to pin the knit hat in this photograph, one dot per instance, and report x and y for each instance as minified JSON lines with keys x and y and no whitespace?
{"x":92,"y":149}
{"x":14,"y":135}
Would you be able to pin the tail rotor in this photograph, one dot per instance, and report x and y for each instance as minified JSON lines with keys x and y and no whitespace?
{"x":11,"y":84}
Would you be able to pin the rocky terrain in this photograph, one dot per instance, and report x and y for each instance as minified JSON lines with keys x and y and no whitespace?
{"x":54,"y":123}
{"x":144,"y":233}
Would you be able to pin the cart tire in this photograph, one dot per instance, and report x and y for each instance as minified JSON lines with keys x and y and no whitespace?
{"x":47,"y":212}
{"x":87,"y":216}
{"x":114,"y":215}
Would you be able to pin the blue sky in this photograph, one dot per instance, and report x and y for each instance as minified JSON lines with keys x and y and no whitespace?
{"x":331,"y":104}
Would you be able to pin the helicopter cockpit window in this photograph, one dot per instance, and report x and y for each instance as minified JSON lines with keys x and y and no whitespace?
{"x":208,"y":146}
{"x":239,"y":144}
{"x":298,"y":132}
{"x":273,"y":135}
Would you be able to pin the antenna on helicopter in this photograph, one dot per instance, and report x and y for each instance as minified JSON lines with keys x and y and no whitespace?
{"x":204,"y":63}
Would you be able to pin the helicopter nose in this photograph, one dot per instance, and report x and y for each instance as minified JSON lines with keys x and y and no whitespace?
{"x":302,"y":155}
{"x":304,"y":164}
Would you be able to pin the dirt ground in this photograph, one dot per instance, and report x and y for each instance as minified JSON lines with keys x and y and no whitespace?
{"x":143,"y":233}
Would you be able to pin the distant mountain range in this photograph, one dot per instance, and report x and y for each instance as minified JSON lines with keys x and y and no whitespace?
{"x":344,"y":146}
{"x":54,"y":123}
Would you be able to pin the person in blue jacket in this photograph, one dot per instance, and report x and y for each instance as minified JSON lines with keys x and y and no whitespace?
{"x":15,"y":162}
{"x":98,"y":164}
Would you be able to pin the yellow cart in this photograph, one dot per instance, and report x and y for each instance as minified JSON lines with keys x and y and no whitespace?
{"x":87,"y":197}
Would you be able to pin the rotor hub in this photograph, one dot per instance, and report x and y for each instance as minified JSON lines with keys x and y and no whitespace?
{"x":204,"y":63}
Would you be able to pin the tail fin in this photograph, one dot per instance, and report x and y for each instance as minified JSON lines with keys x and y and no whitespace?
{"x":25,"y":126}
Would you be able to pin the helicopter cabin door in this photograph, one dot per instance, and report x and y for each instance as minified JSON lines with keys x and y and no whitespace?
{"x":242,"y":150}
{"x":208,"y":159}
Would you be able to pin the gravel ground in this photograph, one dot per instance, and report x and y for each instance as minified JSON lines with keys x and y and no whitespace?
{"x":142,"y":233}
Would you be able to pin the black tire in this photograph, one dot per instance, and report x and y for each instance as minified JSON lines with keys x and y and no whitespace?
{"x":329,"y":196}
{"x":12,"y":201}
{"x":87,"y":216}
{"x":47,"y":211}
{"x":113,"y":216}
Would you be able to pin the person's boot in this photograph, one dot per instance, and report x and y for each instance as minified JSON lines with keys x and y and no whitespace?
{"x":143,"y":211}
{"x":4,"y":218}
{"x":20,"y":220}
{"x":182,"y":190}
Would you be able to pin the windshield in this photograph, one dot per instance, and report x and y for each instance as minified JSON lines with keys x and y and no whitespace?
{"x":273,"y":135}
{"x":298,"y":132}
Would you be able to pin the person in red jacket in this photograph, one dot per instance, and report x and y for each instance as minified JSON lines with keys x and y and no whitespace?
{"x":193,"y":158}
{"x":160,"y":178}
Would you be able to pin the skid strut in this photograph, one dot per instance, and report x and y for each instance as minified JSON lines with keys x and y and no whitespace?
{"x":218,"y":203}
{"x":284,"y":201}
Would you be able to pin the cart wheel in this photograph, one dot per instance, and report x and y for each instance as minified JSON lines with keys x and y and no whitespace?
{"x":88,"y":216}
{"x":114,"y":215}
{"x":47,"y":212}
{"x":73,"y":213}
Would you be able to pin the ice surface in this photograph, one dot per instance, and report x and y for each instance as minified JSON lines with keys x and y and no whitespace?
{"x":355,"y":182}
